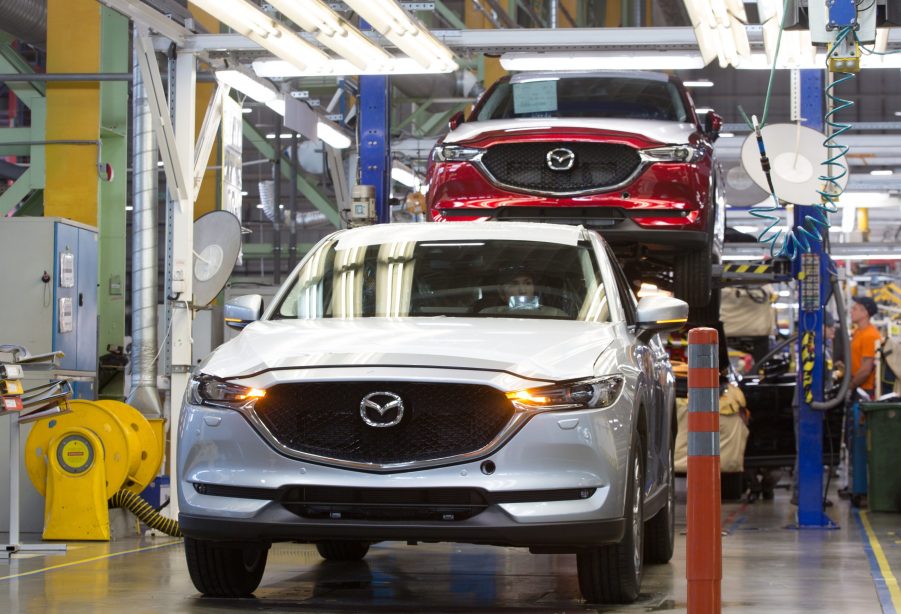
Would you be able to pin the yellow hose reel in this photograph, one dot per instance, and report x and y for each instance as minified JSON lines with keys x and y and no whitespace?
{"x":78,"y":461}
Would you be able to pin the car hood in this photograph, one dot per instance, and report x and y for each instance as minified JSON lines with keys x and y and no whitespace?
{"x":540,"y":349}
{"x":662,"y":132}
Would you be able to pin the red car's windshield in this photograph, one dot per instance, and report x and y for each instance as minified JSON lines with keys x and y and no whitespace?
{"x":620,"y":97}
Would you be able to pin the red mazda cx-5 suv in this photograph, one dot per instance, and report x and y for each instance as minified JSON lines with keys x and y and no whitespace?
{"x":622,"y":152}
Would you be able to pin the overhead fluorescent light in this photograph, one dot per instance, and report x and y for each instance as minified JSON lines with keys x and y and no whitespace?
{"x":719,"y":29}
{"x":332,"y":135}
{"x":277,"y":105}
{"x":600,"y":60}
{"x":283,"y":135}
{"x":403,"y":174}
{"x":394,"y":23}
{"x":883,"y":172}
{"x":698,"y":83}
{"x":247,"y":85}
{"x":246,"y":110}
{"x":726,"y":135}
{"x":333,"y":31}
{"x":746,"y":229}
{"x":274,"y":69}
{"x":248,"y":20}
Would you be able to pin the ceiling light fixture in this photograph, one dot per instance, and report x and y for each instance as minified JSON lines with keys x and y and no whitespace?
{"x":599,"y":60}
{"x":719,"y":28}
{"x":882,"y":172}
{"x":280,"y":69}
{"x":247,"y":85}
{"x":333,"y":31}
{"x":248,"y":20}
{"x":403,"y":174}
{"x":331,"y":134}
{"x":394,"y":23}
{"x":703,"y":83}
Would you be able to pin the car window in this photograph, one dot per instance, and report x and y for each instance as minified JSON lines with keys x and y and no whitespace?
{"x":626,"y":295}
{"x":471,"y":279}
{"x":628,"y":98}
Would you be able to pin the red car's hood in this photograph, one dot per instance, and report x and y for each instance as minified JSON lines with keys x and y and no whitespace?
{"x":641,"y":132}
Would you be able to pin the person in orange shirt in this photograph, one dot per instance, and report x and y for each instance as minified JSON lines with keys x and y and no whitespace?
{"x":864,"y":342}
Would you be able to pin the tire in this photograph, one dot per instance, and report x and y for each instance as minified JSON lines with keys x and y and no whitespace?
{"x":342,"y":550}
{"x":612,"y":573}
{"x":660,"y":531}
{"x":693,"y":277}
{"x":219,"y":570}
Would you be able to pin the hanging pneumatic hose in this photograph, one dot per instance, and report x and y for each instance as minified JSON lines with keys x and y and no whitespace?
{"x":145,"y":512}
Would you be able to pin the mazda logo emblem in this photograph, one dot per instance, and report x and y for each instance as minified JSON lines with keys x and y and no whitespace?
{"x":560,"y":159}
{"x":382,"y":409}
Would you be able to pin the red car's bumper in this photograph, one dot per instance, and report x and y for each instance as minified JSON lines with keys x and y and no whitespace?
{"x":666,"y":204}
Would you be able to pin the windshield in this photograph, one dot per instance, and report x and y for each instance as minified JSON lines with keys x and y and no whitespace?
{"x":470,"y":279}
{"x":619,"y":97}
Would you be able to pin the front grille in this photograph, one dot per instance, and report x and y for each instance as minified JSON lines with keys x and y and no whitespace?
{"x":439,"y":421}
{"x":525,"y":166}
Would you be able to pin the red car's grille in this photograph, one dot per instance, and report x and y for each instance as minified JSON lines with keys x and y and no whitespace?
{"x":595,"y":166}
{"x":439,"y":420}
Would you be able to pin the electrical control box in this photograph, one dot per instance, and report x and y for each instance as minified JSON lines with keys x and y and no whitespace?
{"x":48,"y":279}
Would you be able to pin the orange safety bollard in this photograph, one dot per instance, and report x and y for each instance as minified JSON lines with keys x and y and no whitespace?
{"x":703,"y":556}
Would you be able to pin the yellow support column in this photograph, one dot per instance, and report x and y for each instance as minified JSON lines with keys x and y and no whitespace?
{"x":73,"y":110}
{"x":207,"y":198}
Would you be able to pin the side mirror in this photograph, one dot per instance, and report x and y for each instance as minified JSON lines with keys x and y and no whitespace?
{"x":661,"y":313}
{"x":455,"y":120}
{"x":713,"y":123}
{"x":242,"y":310}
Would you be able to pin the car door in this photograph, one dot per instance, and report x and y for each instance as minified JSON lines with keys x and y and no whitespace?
{"x":655,"y":362}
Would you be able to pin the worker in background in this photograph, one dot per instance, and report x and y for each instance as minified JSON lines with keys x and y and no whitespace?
{"x":864,"y":343}
{"x":518,"y":292}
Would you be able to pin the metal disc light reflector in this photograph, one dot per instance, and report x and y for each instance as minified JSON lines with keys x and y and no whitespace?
{"x":217,"y":242}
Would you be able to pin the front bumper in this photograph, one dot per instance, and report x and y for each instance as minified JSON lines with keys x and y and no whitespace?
{"x":585,"y":449}
{"x":492,"y":527}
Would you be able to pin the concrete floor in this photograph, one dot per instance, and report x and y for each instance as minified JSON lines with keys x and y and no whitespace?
{"x":766,"y":568}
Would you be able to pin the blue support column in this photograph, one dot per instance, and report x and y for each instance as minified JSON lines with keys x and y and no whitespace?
{"x":375,"y":140}
{"x":812,"y":270}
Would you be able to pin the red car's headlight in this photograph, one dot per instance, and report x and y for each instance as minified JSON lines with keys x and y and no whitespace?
{"x":671,"y":153}
{"x":456,"y":153}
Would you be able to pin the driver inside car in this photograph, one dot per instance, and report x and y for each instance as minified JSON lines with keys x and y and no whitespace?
{"x":517,"y":291}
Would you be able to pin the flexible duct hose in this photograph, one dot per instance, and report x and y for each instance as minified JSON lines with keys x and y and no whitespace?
{"x":846,"y":347}
{"x":145,"y":513}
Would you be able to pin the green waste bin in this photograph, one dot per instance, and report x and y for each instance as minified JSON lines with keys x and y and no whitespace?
{"x":884,"y":448}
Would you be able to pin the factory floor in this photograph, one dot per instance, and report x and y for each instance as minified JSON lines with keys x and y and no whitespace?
{"x":767,"y":567}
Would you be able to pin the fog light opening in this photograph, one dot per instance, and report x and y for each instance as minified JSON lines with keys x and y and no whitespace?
{"x":488,"y":467}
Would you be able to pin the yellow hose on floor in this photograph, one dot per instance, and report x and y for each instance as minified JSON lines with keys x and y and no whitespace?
{"x":145,"y":513}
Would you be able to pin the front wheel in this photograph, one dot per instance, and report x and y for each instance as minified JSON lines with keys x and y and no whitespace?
{"x":612,"y":573}
{"x":225,"y":570}
{"x":693,"y":277}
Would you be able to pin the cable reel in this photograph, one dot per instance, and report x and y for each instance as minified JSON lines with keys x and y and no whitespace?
{"x":78,"y":461}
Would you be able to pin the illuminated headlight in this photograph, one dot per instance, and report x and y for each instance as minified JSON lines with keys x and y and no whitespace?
{"x":207,"y":390}
{"x":456,"y":153}
{"x":671,"y":153}
{"x":592,"y":393}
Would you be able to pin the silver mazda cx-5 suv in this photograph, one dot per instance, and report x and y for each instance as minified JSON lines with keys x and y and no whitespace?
{"x":486,"y":383}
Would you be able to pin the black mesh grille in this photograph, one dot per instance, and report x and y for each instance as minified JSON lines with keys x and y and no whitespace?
{"x":596,"y":166}
{"x":439,"y":420}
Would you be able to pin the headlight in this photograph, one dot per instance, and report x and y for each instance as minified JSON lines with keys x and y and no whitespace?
{"x":206,"y":390}
{"x":456,"y":153}
{"x":590,"y":393}
{"x":672,"y":153}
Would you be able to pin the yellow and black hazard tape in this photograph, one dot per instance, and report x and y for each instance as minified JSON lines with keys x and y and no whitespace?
{"x":808,"y":356}
{"x":754,"y":269}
